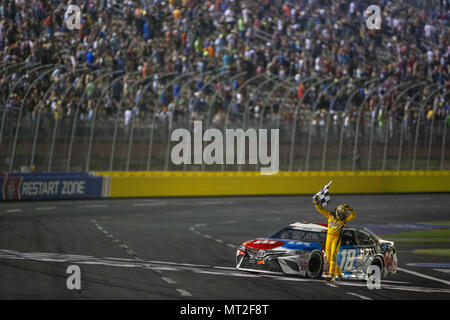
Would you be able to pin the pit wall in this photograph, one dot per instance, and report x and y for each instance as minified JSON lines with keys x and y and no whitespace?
{"x":168,"y":184}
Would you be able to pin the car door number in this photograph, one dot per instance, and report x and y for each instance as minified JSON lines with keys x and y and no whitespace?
{"x":348,"y":259}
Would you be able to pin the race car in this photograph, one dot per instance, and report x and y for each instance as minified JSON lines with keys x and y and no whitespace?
{"x":299,"y":249}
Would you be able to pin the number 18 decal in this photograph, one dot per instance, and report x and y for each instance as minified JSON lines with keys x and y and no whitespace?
{"x":348,"y":258}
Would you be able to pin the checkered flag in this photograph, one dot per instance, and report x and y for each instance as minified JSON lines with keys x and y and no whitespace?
{"x":324,"y":195}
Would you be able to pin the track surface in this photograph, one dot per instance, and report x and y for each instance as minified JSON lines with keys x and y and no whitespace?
{"x":184,"y":248}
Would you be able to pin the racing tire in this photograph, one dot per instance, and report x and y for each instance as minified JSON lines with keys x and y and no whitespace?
{"x":379,"y":263}
{"x":314,"y":266}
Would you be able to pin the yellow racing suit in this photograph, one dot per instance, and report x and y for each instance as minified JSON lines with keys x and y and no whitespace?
{"x":333,"y":243}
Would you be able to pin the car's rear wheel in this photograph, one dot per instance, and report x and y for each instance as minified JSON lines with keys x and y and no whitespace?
{"x":314,"y":266}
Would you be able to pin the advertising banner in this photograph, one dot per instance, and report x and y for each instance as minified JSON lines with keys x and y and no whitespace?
{"x":30,"y":186}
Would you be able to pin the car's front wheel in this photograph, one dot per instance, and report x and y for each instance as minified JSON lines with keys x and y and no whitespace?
{"x":377,"y":262}
{"x":314,"y":266}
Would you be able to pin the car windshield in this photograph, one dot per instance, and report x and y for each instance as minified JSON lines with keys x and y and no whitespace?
{"x":300,"y":235}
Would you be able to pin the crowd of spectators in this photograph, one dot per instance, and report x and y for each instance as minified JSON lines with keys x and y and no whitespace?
{"x":217,"y":60}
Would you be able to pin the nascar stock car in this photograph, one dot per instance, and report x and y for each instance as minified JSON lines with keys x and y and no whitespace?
{"x":299,"y":249}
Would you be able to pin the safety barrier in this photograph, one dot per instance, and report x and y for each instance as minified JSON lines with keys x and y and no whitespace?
{"x":47,"y":186}
{"x":168,"y":184}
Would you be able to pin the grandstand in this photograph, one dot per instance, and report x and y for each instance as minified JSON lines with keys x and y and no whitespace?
{"x":107,"y":96}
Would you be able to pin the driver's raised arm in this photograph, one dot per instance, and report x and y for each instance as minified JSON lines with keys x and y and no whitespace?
{"x":321,"y":209}
{"x":351,"y":214}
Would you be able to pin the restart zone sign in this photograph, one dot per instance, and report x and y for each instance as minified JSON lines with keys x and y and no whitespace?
{"x":31,"y":186}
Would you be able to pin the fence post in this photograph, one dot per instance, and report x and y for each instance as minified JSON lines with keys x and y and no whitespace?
{"x":416,"y":138}
{"x":328,"y":117}
{"x":11,"y":163}
{"x":430,"y":145}
{"x":162,"y":93}
{"x":308,"y":150}
{"x":291,"y":89}
{"x":444,"y":137}
{"x":400,"y":149}
{"x":358,"y":121}
{"x":229,"y":107}
{"x":402,"y":131}
{"x":11,"y":65}
{"x":244,"y":116}
{"x":102,"y":95}
{"x":341,"y":138}
{"x":130,"y":143}
{"x":369,"y":162}
{"x":116,"y":122}
{"x":12,"y":91}
{"x":213,"y":100}
{"x":169,"y":127}
{"x":294,"y":124}
{"x":75,"y":120}
{"x":52,"y":146}
{"x":33,"y":149}
{"x":390,"y":114}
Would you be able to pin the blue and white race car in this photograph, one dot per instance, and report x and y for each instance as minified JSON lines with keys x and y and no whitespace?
{"x":299,"y":249}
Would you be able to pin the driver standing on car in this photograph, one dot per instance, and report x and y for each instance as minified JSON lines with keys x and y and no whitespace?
{"x":336,"y":221}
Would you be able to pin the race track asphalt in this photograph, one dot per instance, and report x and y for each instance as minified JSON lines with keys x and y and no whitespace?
{"x":184,"y":248}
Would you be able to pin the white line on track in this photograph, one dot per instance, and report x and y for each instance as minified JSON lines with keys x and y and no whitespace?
{"x":184,"y":293}
{"x":193,"y":229}
{"x":331,"y":285}
{"x":179,"y":264}
{"x":149,"y":204}
{"x":267,"y":219}
{"x":415,"y":198}
{"x":169,"y":280}
{"x":159,"y":266}
{"x":213,"y":203}
{"x":44,"y":208}
{"x":228,"y":222}
{"x":136,"y":257}
{"x":398,"y":287}
{"x":93,"y":206}
{"x":443,"y":270}
{"x":290,"y":279}
{"x":224,"y":268}
{"x":179,"y":212}
{"x":131,"y":252}
{"x":13,"y":210}
{"x":359,"y":296}
{"x":138,"y":215}
{"x":418,"y":274}
{"x":394,"y":282}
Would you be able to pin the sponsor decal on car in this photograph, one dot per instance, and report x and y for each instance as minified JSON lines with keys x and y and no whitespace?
{"x":264,"y":244}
